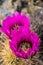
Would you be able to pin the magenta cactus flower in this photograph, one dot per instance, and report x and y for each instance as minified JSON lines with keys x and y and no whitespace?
{"x":25,"y":36}
{"x":17,"y":19}
{"x":21,"y":34}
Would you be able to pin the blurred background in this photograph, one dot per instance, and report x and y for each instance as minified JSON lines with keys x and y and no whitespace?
{"x":32,"y":8}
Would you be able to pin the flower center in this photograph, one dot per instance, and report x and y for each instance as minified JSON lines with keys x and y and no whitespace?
{"x":25,"y":46}
{"x":15,"y":27}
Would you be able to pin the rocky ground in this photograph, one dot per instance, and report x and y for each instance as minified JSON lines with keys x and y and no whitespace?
{"x":32,"y":8}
